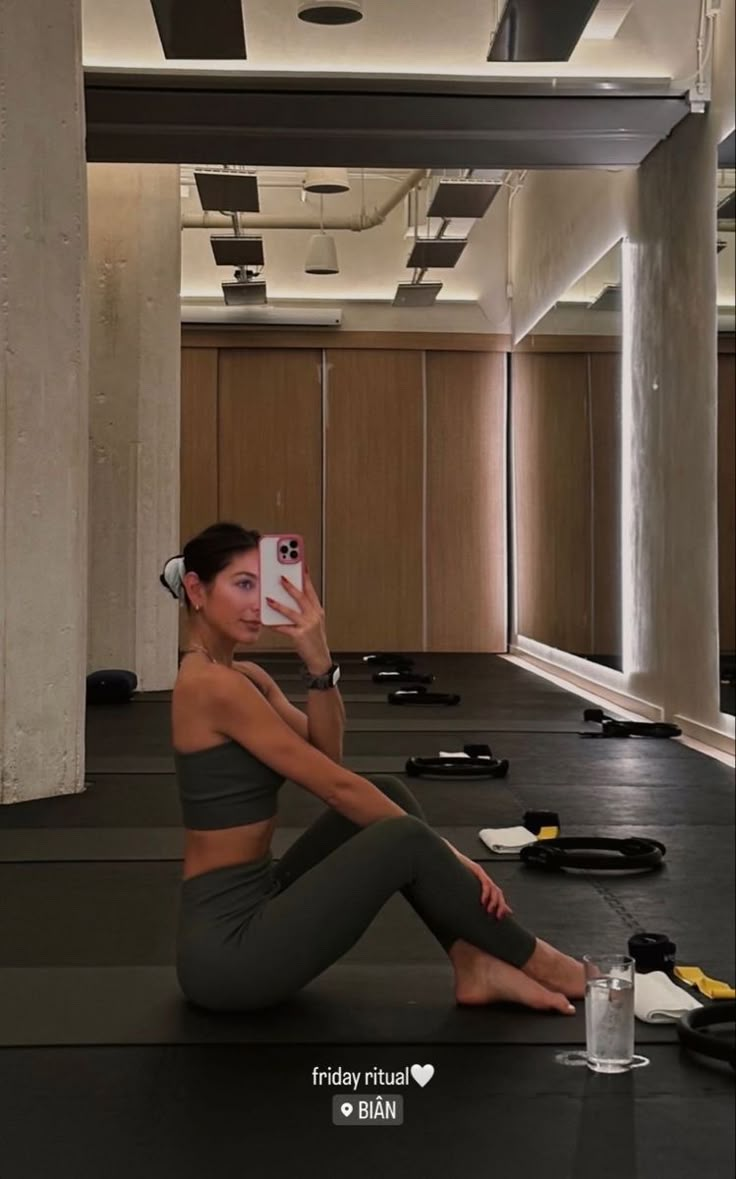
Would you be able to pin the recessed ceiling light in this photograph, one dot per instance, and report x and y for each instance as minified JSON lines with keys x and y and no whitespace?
{"x":330,"y":12}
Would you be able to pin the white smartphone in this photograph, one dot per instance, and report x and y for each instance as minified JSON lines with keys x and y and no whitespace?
{"x":281,"y":555}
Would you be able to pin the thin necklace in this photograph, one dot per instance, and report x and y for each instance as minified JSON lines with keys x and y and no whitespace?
{"x":196,"y":647}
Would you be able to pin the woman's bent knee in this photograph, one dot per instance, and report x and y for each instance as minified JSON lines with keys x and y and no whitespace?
{"x":401,"y":828}
{"x":397,"y":791}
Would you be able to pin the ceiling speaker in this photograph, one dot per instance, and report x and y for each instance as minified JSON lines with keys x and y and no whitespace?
{"x":326,"y":180}
{"x":321,"y":255}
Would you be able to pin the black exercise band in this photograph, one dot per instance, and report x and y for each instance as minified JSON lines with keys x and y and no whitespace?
{"x":692,"y":1028}
{"x":422,"y":696}
{"x":552,"y":855}
{"x":456,"y":767}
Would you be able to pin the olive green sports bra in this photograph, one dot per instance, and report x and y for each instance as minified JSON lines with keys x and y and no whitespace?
{"x":225,"y":786}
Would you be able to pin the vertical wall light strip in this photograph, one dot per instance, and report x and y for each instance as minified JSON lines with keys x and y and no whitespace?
{"x":591,"y":460}
{"x":325,"y":424}
{"x":627,"y":522}
{"x":425,"y":621}
{"x":218,"y":440}
{"x":512,"y":589}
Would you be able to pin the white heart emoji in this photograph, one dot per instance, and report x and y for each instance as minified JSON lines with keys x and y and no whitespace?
{"x":422,"y":1073}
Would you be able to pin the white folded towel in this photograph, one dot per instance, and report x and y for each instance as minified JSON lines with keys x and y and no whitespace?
{"x":658,"y":1000}
{"x":506,"y":839}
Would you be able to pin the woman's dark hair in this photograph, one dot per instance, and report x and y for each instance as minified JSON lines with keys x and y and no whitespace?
{"x":212,"y":550}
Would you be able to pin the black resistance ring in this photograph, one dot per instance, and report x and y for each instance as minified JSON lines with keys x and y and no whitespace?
{"x":572,"y":851}
{"x":693,"y":1030}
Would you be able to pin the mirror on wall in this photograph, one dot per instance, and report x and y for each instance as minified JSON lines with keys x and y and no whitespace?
{"x":726,"y":423}
{"x":566,"y":431}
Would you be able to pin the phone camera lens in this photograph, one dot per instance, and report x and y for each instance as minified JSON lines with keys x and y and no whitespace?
{"x":284,"y":549}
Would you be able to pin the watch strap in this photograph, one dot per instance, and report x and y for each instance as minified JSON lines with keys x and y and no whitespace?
{"x":323,"y":682}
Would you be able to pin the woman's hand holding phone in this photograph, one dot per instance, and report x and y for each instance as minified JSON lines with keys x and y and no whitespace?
{"x":307,"y":627}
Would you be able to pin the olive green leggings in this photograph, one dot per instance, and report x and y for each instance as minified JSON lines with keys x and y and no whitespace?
{"x":251,"y":935}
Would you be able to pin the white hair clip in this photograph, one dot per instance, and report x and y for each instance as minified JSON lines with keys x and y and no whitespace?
{"x":173,"y":577}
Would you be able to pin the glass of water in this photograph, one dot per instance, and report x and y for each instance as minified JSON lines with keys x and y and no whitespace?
{"x":609,"y":1013}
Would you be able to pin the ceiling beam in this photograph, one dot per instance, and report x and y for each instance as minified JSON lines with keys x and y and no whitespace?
{"x":301,"y":121}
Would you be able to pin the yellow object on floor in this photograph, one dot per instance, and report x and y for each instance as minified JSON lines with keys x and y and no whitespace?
{"x":694,"y":977}
{"x":548,"y":833}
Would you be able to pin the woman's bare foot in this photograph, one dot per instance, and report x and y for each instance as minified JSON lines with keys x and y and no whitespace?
{"x":481,"y":979}
{"x":556,"y":970}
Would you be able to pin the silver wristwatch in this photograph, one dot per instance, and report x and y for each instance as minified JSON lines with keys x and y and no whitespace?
{"x":321,"y":683}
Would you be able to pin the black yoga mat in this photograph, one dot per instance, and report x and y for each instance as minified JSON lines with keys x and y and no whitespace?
{"x":348,"y":1004}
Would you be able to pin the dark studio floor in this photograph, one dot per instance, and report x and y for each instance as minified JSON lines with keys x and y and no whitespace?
{"x":106,"y":1070}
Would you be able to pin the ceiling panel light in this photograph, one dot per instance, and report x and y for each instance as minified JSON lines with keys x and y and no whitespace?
{"x":191,"y":29}
{"x":608,"y":300}
{"x":416,"y":294}
{"x":462,"y":198}
{"x":326,"y":180}
{"x":227,"y":192}
{"x":427,"y":255}
{"x":457,"y":228}
{"x":244,"y":294}
{"x":727,"y":208}
{"x":536,"y":30}
{"x":727,"y":151}
{"x":237,"y":251}
{"x":321,"y":255}
{"x":330,"y":12}
{"x":607,"y":19}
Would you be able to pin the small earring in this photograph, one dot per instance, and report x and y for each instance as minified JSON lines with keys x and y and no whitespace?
{"x":197,"y":607}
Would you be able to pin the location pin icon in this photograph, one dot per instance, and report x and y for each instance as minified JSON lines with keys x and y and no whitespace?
{"x":346,"y":1109}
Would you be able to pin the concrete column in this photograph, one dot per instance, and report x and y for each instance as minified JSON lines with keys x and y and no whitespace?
{"x":671,"y":617}
{"x":43,"y":400}
{"x":135,"y":236}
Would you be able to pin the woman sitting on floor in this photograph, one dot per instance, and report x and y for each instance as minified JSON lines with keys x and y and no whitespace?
{"x":252,"y":933}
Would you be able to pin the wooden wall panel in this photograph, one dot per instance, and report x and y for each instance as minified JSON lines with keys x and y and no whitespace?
{"x":551,"y":435}
{"x":249,"y":337}
{"x":373,"y":500}
{"x":466,"y":502}
{"x":198,"y":448}
{"x":605,"y":410}
{"x":726,"y":501}
{"x":270,"y":449}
